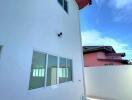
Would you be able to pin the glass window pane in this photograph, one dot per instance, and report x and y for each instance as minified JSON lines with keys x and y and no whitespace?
{"x":69,"y":65}
{"x":66,"y":6}
{"x":37,"y":70}
{"x":52,"y":70}
{"x":60,"y":2}
{"x":62,"y":71}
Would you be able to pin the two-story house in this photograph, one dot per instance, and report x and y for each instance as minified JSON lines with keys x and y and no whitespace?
{"x":38,"y":58}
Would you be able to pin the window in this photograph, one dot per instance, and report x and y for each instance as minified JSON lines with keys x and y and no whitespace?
{"x":52,"y":70}
{"x":37,"y":77}
{"x":48,"y":70}
{"x":61,"y":2}
{"x":64,"y":4}
{"x":109,"y":64}
{"x":69,"y":65}
{"x":65,"y":70}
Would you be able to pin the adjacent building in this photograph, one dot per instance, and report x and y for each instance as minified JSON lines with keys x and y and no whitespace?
{"x":37,"y":61}
{"x":102,"y":56}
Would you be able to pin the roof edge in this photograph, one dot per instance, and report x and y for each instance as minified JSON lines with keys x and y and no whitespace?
{"x":83,"y":3}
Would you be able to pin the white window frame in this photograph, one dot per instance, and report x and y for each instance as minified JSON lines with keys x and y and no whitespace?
{"x":47,"y":68}
{"x":58,"y":66}
{"x":31,"y":68}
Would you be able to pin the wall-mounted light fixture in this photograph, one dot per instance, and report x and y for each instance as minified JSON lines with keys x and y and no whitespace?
{"x":60,"y":34}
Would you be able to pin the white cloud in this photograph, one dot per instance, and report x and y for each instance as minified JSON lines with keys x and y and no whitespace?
{"x":122,"y":10}
{"x":123,"y":15}
{"x":116,"y":3}
{"x":121,"y":3}
{"x":99,"y":2}
{"x":94,"y":38}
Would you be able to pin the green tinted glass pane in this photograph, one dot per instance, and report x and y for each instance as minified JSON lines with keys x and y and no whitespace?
{"x":69,"y":65}
{"x":37,"y":76}
{"x":63,"y":71}
{"x":52,"y":70}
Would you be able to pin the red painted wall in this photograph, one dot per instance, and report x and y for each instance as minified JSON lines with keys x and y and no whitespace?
{"x":91,"y":59}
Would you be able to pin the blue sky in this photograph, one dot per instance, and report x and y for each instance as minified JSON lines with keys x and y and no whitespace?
{"x":108,"y":22}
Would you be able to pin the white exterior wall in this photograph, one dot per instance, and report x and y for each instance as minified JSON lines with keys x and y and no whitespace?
{"x":111,"y":82}
{"x":27,"y":25}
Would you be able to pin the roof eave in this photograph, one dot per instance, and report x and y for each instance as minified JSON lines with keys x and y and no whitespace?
{"x":83,"y":3}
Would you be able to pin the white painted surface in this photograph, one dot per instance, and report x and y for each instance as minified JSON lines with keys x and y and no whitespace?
{"x":27,"y":25}
{"x":112,"y":82}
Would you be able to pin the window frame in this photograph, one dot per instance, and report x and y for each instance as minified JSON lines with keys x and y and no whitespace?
{"x":72,"y":72}
{"x":67,"y":7}
{"x":62,"y":67}
{"x":47,"y":70}
{"x":46,"y":66}
{"x":63,"y":5}
{"x":71,"y":69}
{"x":31,"y":69}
